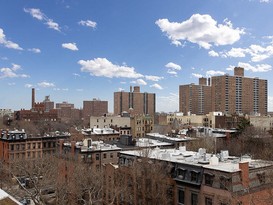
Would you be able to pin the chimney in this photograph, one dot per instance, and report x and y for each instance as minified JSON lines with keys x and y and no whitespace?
{"x":202,"y":81}
{"x":130,"y":89}
{"x":239,"y":71}
{"x":244,"y":167}
{"x":73,"y":147}
{"x":33,"y":98}
{"x":208,"y":81}
{"x":61,"y":142}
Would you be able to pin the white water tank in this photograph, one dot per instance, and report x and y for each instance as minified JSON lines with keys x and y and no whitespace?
{"x":214,"y":160}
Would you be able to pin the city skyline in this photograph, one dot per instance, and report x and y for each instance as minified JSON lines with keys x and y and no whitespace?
{"x":76,"y":51}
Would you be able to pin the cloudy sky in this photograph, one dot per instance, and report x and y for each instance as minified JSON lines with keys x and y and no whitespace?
{"x":79,"y":50}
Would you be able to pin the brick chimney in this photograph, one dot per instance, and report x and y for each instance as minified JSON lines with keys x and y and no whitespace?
{"x":33,"y":98}
{"x":73,"y":147}
{"x":244,"y":167}
{"x":61,"y":143}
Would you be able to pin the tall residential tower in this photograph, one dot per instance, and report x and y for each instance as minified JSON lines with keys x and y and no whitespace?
{"x":134,"y":102}
{"x":227,"y":94}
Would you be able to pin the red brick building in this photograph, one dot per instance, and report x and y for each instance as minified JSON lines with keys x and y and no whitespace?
{"x":134,"y":102}
{"x":227,"y":94}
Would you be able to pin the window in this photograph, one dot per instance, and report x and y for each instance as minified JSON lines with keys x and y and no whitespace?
{"x":208,"y":201}
{"x":97,"y":156}
{"x":104,"y":156}
{"x":111,"y":155}
{"x":194,"y":199}
{"x":194,"y":176}
{"x":261,"y":177}
{"x":12,"y":147}
{"x":209,"y":179}
{"x":181,"y":173}
{"x":181,"y":196}
{"x":224,"y":182}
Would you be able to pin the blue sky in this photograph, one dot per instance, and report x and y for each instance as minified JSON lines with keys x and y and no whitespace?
{"x":79,"y":50}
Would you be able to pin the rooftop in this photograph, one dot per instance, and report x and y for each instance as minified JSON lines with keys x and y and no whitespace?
{"x":162,"y":137}
{"x":84,"y":146}
{"x":96,"y":131}
{"x":221,"y":162}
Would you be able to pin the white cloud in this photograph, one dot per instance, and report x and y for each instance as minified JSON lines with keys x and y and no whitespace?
{"x":88,"y":23}
{"x":15,"y":67}
{"x":202,"y":30}
{"x":12,"y":72}
{"x":153,"y":78}
{"x":236,"y":53}
{"x":120,"y":89}
{"x":257,"y":68}
{"x":46,"y":84}
{"x":29,"y":86}
{"x":172,"y":72}
{"x":11,"y":84}
{"x":139,"y":81}
{"x":210,"y":73}
{"x":7,"y":43}
{"x":157,"y":86}
{"x":256,"y":52}
{"x":38,"y":14}
{"x":213,"y":53}
{"x":173,"y":66}
{"x":264,"y":1}
{"x":196,"y":75}
{"x":35,"y":13}
{"x":79,"y":90}
{"x":76,"y":74}
{"x":105,"y":68}
{"x":70,"y":46}
{"x":53,"y":25}
{"x":35,"y":50}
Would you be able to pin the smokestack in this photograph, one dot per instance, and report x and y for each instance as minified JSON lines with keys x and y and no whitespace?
{"x":33,"y":98}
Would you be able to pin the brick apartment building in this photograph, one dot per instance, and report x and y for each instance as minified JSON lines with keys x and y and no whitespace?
{"x":94,"y":108}
{"x":67,"y":113}
{"x":134,"y":102}
{"x":141,"y":124}
{"x":195,"y":178}
{"x":16,"y":145}
{"x":93,"y":153}
{"x":227,"y":94}
{"x":195,"y":99}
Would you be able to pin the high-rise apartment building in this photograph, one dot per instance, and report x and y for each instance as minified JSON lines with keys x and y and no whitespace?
{"x":227,"y":94}
{"x":134,"y":102}
{"x":239,"y":94}
{"x":195,"y":99}
{"x":95,"y":107}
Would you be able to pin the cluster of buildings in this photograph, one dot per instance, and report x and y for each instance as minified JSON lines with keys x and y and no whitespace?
{"x":227,"y":94}
{"x":114,"y":142}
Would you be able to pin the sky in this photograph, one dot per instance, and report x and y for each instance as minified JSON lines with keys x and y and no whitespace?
{"x":77,"y":50}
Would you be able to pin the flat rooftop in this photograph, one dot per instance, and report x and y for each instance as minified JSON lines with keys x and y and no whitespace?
{"x":227,"y":164}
